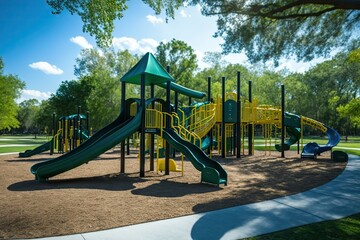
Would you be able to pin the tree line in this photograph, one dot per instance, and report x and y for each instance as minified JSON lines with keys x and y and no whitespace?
{"x":328,"y":92}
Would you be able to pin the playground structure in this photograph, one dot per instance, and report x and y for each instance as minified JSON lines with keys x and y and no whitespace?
{"x":189,"y":130}
{"x":67,"y":134}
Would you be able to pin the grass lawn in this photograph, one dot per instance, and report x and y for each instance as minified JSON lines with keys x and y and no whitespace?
{"x":20,"y":143}
{"x":346,"y":228}
{"x":351,"y":146}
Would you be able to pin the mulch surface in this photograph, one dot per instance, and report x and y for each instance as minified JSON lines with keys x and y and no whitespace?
{"x":95,"y":196}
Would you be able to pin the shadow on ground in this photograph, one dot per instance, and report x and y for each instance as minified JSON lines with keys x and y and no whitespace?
{"x":170,"y":189}
{"x":110,"y":182}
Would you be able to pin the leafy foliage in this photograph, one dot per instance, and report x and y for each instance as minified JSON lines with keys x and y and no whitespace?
{"x":98,"y":16}
{"x":69,"y":96}
{"x":101,"y":71}
{"x":28,"y":112}
{"x":351,"y":110}
{"x":271,"y":29}
{"x":181,"y":59}
{"x":264,"y":29}
{"x":10,"y":89}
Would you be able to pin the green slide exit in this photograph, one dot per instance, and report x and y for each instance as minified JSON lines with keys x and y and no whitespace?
{"x":211,"y":171}
{"x":97,"y":144}
{"x":42,"y":148}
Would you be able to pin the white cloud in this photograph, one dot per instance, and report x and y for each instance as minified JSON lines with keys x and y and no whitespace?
{"x":200,"y":57}
{"x":81,"y":41}
{"x":184,"y":14}
{"x":154,"y":20}
{"x":47,"y":68}
{"x":292,"y":65}
{"x":30,"y":94}
{"x":134,"y":46}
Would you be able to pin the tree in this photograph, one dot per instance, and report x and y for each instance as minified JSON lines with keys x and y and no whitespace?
{"x":69,"y":96}
{"x":351,"y":110}
{"x":264,"y":29}
{"x":45,"y":116}
{"x":181,"y":59}
{"x":10,"y":89}
{"x":220,"y":68}
{"x":102,"y":71}
{"x":322,"y":89}
{"x":98,"y":16}
{"x":28,"y":112}
{"x":268,"y":29}
{"x":267,"y":88}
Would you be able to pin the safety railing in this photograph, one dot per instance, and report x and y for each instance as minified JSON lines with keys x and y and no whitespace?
{"x":267,"y":114}
{"x":203,"y":120}
{"x":157,"y":119}
{"x":313,"y":123}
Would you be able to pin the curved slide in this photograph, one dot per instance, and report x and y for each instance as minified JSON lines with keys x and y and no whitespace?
{"x":294,"y":136}
{"x":292,"y":123}
{"x":312,"y":149}
{"x":99,"y":143}
{"x":211,"y":171}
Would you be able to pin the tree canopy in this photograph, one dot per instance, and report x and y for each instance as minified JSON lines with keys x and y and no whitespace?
{"x":28,"y":112}
{"x":268,"y":29}
{"x":98,"y":16}
{"x":264,"y":29}
{"x":10,"y":89}
{"x":102,"y":72}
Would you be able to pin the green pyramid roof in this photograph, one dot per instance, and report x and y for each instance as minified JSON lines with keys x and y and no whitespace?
{"x":148,"y":65}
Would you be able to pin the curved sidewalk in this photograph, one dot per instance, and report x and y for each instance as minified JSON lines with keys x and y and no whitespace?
{"x":336,"y":199}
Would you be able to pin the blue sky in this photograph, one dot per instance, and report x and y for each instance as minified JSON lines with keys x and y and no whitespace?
{"x":41,"y":48}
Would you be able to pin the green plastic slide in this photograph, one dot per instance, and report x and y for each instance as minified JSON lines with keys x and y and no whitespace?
{"x":97,"y":144}
{"x":211,"y":171}
{"x":292,"y":123}
{"x":183,"y":90}
{"x":294,"y":136}
{"x":42,"y":148}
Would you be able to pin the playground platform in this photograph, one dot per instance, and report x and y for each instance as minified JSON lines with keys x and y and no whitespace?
{"x":336,"y":199}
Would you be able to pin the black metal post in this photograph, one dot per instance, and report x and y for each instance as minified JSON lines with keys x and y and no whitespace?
{"x":79,"y":124}
{"x":223,"y":133}
{"x":176,"y":102}
{"x":53,"y":134}
{"x":211,"y":132}
{"x":152,"y":136}
{"x":127,"y":146}
{"x":250,"y":125}
{"x":142,"y":129}
{"x":88,"y":122}
{"x":238,"y":125}
{"x":168,"y":125}
{"x":122,"y":149}
{"x":282,"y":120}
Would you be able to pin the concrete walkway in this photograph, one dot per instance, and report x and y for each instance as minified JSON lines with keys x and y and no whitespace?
{"x":336,"y":199}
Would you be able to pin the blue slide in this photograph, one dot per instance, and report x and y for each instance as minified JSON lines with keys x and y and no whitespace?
{"x":312,"y":149}
{"x":211,"y":171}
